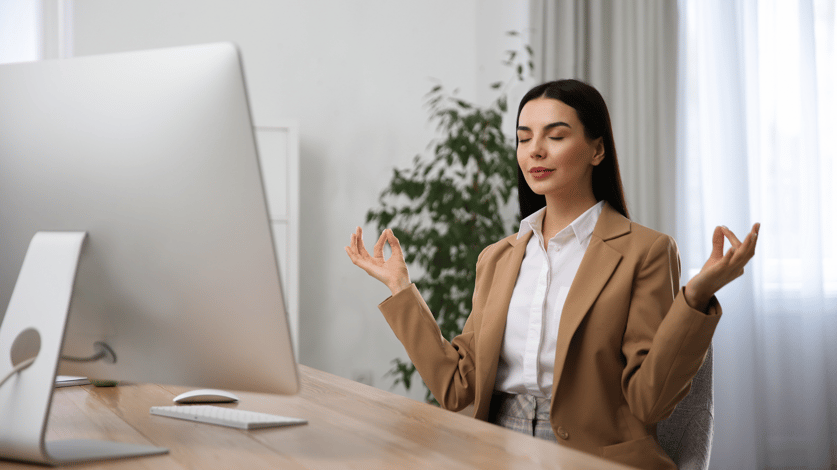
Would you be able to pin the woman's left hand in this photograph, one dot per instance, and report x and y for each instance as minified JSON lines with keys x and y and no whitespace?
{"x":721,"y":268}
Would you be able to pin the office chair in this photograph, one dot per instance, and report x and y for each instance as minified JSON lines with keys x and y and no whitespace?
{"x":686,"y":435}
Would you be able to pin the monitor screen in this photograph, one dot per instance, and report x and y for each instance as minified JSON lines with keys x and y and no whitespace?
{"x":152,"y":154}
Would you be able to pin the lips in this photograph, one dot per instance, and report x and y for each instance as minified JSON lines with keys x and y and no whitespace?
{"x":540,"y":172}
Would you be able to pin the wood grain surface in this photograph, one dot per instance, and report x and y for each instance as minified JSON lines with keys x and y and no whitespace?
{"x":350,"y":425}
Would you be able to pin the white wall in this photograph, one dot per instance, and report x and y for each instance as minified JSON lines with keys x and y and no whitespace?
{"x":353,"y":73}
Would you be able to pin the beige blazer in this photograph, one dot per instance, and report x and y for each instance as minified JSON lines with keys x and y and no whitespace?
{"x":628,"y":343}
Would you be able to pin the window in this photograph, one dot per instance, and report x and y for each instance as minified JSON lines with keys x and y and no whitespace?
{"x":20,"y":25}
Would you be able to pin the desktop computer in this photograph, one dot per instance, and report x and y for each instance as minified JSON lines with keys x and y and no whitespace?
{"x":134,"y":236}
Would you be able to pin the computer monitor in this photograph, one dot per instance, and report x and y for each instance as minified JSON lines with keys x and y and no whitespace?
{"x":152,"y":155}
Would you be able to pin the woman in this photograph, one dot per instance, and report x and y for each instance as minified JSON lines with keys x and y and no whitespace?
{"x":580,"y":313}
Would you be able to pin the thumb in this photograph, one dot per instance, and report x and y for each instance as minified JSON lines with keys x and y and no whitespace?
{"x":394,"y":243}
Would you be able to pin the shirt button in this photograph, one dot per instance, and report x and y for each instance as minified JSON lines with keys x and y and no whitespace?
{"x":562,"y":433}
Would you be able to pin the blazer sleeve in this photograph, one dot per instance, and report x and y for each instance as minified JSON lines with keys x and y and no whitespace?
{"x":448,"y":368}
{"x":665,"y":340}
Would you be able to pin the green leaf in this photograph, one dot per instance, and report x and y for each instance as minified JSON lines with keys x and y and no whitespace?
{"x":445,"y":208}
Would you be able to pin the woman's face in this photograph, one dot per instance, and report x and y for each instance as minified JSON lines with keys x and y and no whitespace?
{"x":555,"y":155}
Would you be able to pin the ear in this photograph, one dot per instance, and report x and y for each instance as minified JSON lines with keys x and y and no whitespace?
{"x":600,"y":151}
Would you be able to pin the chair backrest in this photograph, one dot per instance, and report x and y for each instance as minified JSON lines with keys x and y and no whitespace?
{"x":686,"y":435}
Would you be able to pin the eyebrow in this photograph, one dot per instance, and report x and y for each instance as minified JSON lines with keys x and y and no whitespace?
{"x":546,"y":127}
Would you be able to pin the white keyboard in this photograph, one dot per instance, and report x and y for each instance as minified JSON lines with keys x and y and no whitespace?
{"x":231,"y":417}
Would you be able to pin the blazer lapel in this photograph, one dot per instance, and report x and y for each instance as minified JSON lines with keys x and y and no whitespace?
{"x":494,"y":320}
{"x":597,"y":265}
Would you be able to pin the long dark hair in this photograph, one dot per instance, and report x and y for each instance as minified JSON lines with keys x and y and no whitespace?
{"x":592,"y":112}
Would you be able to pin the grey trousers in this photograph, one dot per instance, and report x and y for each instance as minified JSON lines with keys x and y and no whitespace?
{"x":522,"y":413}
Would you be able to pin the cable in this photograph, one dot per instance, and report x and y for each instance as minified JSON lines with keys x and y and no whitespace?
{"x":18,"y":368}
{"x":103,"y":353}
{"x":93,"y":358}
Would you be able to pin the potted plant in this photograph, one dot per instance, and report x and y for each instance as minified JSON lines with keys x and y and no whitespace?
{"x":450,"y":204}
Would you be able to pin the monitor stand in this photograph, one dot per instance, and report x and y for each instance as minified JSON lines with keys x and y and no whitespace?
{"x":34,"y":326}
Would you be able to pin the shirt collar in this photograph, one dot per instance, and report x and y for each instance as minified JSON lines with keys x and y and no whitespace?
{"x":582,"y":226}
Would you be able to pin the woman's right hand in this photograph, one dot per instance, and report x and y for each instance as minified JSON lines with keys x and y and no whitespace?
{"x":392,"y":272}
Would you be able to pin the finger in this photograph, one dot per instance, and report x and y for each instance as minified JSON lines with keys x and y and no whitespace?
{"x":361,"y":248}
{"x":353,"y":244}
{"x":751,"y":238}
{"x":748,"y":247}
{"x":394,"y":243}
{"x":728,"y":256}
{"x":733,"y":240}
{"x":356,"y":260}
{"x":362,"y":263}
{"x":756,"y":228}
{"x":717,"y":243}
{"x":744,"y":252}
{"x":379,"y":245}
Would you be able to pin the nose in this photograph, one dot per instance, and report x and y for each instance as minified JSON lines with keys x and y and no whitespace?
{"x":536,"y":149}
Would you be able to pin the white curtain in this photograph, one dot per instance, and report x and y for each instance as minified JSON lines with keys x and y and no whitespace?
{"x":19,"y":31}
{"x":35,"y":30}
{"x":757,"y":104}
{"x":628,"y":51}
{"x":743,"y":129}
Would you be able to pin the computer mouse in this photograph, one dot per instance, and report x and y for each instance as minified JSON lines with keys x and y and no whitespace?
{"x":205,"y":395}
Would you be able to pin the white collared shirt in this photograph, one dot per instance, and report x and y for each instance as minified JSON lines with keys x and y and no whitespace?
{"x":527,"y":356}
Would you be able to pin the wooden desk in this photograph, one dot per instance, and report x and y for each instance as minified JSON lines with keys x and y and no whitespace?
{"x":350,"y":425}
